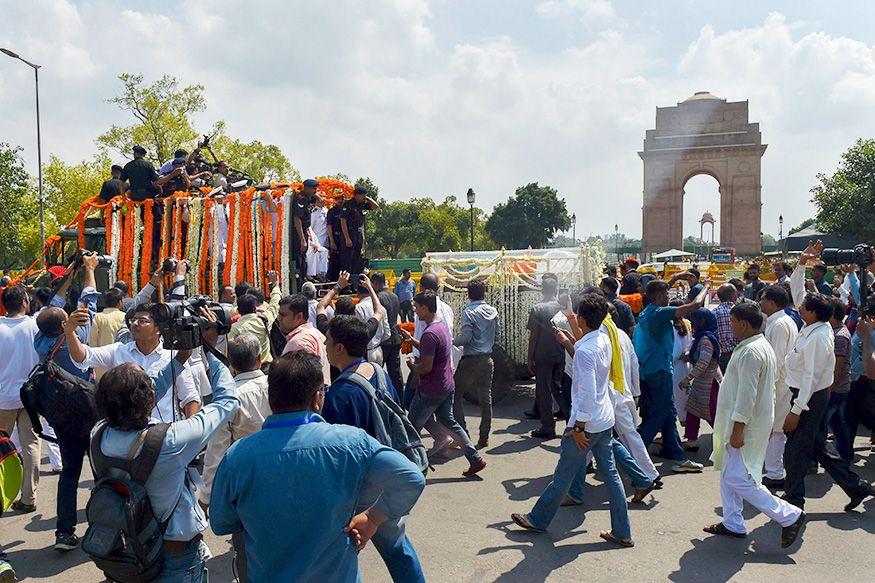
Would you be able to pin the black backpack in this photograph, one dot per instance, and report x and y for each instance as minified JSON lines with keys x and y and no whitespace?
{"x":124,"y":538}
{"x":392,"y":428}
{"x":65,"y":400}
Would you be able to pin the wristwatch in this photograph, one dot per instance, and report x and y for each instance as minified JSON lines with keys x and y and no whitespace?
{"x":578,"y":428}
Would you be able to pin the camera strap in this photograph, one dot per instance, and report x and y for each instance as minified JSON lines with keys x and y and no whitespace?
{"x":212,"y":350}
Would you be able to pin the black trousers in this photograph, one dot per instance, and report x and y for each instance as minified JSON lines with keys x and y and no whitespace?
{"x":333,"y":265}
{"x":392,"y":360}
{"x":351,"y":258}
{"x":73,"y":451}
{"x":548,"y":382}
{"x":406,"y":311}
{"x":855,"y":405}
{"x":808,"y":443}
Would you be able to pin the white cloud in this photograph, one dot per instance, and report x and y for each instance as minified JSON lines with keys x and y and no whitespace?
{"x":385,"y":89}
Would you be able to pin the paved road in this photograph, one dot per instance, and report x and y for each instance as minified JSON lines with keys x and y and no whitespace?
{"x":462,"y":531}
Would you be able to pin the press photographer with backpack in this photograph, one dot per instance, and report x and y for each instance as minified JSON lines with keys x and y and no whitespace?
{"x":167,"y":521}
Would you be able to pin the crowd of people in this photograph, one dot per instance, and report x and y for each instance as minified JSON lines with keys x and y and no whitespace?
{"x":306,"y":393}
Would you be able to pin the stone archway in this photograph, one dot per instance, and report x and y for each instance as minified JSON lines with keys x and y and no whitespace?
{"x":703,"y":135}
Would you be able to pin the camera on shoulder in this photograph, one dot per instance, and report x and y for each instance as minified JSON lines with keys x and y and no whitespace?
{"x":182,"y":325}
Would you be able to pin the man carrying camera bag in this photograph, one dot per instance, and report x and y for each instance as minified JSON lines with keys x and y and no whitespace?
{"x":133,"y":452}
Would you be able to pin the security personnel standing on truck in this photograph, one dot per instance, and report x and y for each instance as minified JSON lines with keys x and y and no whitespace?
{"x":335,"y":242}
{"x":352,"y":226}
{"x":302,"y":203}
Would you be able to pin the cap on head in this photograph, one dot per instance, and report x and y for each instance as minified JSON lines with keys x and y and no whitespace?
{"x":310,"y":183}
{"x":360,"y":189}
{"x":309,"y":288}
{"x":179,"y":161}
{"x":139,"y":150}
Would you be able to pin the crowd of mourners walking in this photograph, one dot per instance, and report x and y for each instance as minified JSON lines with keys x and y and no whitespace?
{"x":306,"y":394}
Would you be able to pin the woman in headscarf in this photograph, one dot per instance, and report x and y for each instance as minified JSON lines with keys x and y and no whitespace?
{"x":703,"y":380}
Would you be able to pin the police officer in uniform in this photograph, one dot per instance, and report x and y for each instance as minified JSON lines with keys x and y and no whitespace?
{"x":302,"y":204}
{"x":352,"y":226}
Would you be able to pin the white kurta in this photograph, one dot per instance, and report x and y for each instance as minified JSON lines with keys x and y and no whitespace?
{"x":747,"y":395}
{"x":781,"y":333}
{"x":681,"y":368}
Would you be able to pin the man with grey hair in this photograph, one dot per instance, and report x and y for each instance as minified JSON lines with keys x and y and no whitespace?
{"x":244,"y":359}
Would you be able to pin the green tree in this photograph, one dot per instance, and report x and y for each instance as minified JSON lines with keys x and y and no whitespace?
{"x":802,"y":226}
{"x":19,"y":225}
{"x":264,"y":162}
{"x":529,"y":218}
{"x":68,"y":185}
{"x":846,"y":199}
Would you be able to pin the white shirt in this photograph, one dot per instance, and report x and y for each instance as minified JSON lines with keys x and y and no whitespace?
{"x":811,"y":364}
{"x":311,"y":311}
{"x":444,"y":313}
{"x":254,"y":408}
{"x":560,"y":320}
{"x":630,"y":365}
{"x":19,"y":358}
{"x":781,"y":333}
{"x":220,"y":220}
{"x":111,"y":356}
{"x":364,"y":311}
{"x":590,"y":383}
{"x":319,"y":225}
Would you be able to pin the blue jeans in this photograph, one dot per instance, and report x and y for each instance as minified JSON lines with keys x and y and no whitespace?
{"x":421,"y":410}
{"x":409,"y":392}
{"x":188,"y":566}
{"x":397,"y":552}
{"x":835,"y":419}
{"x":660,"y":415}
{"x":569,"y":478}
{"x":625,"y":460}
{"x":72,"y":455}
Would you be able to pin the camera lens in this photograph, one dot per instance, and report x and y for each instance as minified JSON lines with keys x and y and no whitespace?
{"x":161,"y":313}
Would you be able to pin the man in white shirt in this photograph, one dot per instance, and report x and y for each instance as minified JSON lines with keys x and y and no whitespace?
{"x":742,"y":425}
{"x":589,"y":429}
{"x":364,"y":311}
{"x":17,"y":332}
{"x":810,"y":372}
{"x":145,"y":350}
{"x":317,"y":252}
{"x":781,"y":334}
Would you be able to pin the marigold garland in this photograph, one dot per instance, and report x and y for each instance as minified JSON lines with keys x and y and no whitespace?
{"x":148,"y":238}
{"x":231,"y":244}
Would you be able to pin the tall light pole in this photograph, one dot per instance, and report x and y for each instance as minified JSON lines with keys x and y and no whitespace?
{"x":471,"y":197}
{"x":617,"y":241}
{"x":574,"y":228}
{"x":39,"y":153}
{"x":781,"y":235}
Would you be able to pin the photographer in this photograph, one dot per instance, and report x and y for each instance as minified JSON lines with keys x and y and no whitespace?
{"x":862,"y":341}
{"x":50,"y":342}
{"x":125,"y":396}
{"x":145,"y":350}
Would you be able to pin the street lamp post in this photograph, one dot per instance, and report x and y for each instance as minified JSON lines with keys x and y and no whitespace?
{"x":781,"y":235}
{"x":574,"y":228}
{"x":617,"y":241}
{"x":39,"y":153}
{"x":471,"y":197}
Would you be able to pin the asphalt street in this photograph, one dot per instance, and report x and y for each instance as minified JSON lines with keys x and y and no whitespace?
{"x":462,"y":531}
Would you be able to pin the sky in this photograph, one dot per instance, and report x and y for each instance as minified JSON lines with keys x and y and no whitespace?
{"x":433,"y":98}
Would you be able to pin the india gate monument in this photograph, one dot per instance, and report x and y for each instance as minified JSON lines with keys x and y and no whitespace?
{"x":703,"y":135}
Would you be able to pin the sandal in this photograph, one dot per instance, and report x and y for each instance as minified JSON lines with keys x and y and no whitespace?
{"x":523,"y":522}
{"x":641,"y":493}
{"x":609,"y":536}
{"x":721,"y":530}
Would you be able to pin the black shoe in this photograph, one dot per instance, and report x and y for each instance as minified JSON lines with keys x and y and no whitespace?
{"x":66,"y":542}
{"x":772,"y":484}
{"x":789,"y":534}
{"x":544,"y":434}
{"x":20,"y":506}
{"x":858,"y":498}
{"x":530,"y":415}
{"x":657,"y":483}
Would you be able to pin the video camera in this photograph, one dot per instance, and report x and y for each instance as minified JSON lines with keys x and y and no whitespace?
{"x":862,"y":256}
{"x":103,"y":261}
{"x":182,"y":325}
{"x":169,"y":265}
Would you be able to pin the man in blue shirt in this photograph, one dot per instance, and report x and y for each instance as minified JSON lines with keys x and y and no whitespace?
{"x":654,"y":342}
{"x":477,"y":336}
{"x":861,"y":384}
{"x":328,"y":488}
{"x":348,"y":404}
{"x":50,"y":341}
{"x":405,"y":289}
{"x":128,"y":396}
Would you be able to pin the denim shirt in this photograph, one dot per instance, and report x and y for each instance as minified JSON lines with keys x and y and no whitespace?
{"x":479,"y":328}
{"x":857,"y":367}
{"x":654,"y":339}
{"x":44,"y":344}
{"x":185,"y":439}
{"x":292,"y":490}
{"x":404,"y":289}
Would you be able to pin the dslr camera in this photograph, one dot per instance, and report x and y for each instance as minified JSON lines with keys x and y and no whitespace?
{"x":103,"y":261}
{"x":169,"y":265}
{"x":182,"y":325}
{"x":861,"y":255}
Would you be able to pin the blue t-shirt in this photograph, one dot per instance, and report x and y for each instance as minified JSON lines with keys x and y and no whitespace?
{"x":346,"y":403}
{"x":654,"y":339}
